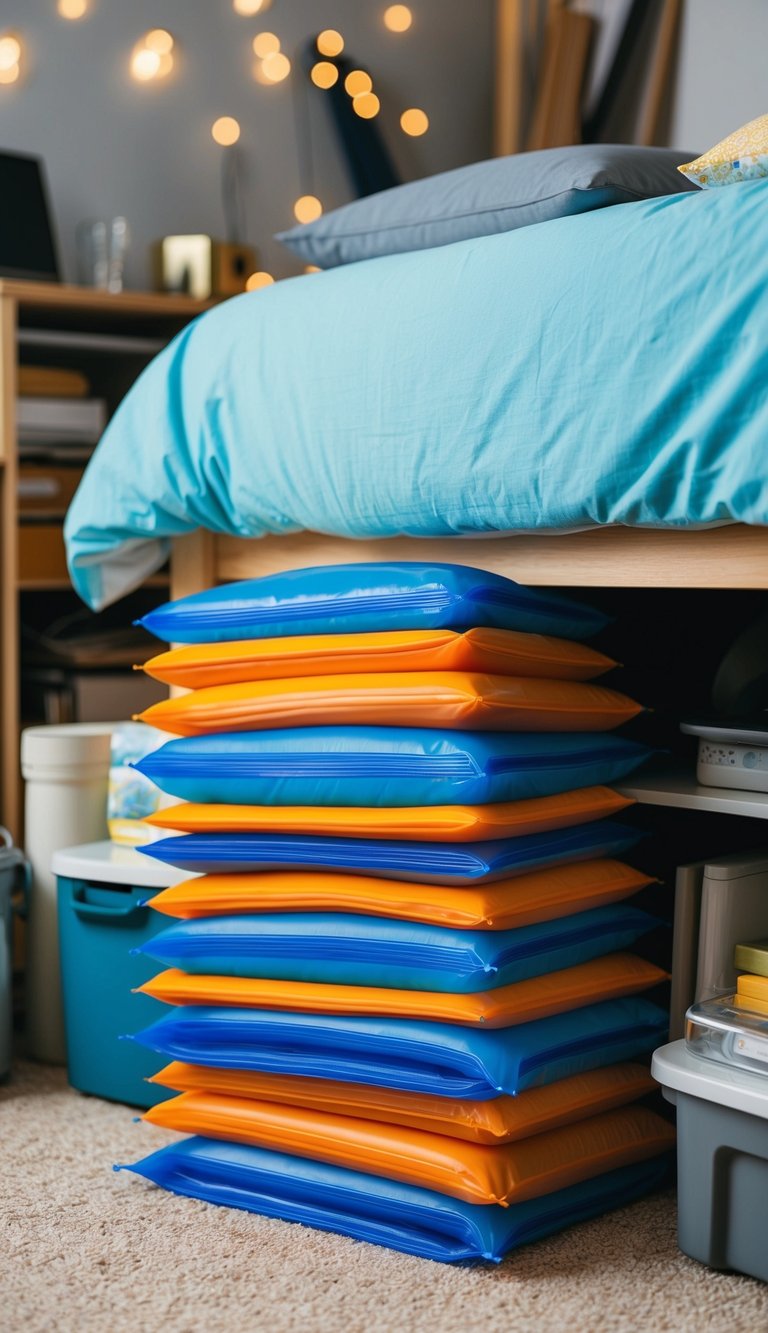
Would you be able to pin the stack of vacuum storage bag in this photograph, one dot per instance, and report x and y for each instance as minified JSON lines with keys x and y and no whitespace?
{"x":401,"y":1002}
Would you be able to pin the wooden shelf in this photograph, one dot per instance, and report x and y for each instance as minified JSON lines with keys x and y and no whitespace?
{"x":681,"y":791}
{"x":74,"y":326}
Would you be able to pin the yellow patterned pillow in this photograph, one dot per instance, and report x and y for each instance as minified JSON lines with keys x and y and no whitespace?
{"x":743,"y":156}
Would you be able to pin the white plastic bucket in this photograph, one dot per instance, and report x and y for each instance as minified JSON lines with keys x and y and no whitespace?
{"x":66,"y":769}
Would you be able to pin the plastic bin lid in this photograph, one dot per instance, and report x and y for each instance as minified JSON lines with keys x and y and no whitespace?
{"x":678,"y":1069}
{"x":110,"y":863}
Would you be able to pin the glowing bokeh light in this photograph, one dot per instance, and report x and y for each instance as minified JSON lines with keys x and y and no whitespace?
{"x":265,"y":44}
{"x":324,"y":74}
{"x":160,"y":40}
{"x":357,"y":82}
{"x":307,"y":209}
{"x":145,"y":64}
{"x":225,"y":131}
{"x":258,"y":280}
{"x":330,"y":42}
{"x":366,"y":105}
{"x":10,"y":52}
{"x":398,"y":18}
{"x":250,"y":7}
{"x":72,"y":9}
{"x":275,"y":68}
{"x":414,"y":121}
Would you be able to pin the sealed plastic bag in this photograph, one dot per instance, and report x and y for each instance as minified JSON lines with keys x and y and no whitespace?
{"x":368,"y":597}
{"x":429,"y":862}
{"x":441,"y":1058}
{"x":438,"y":823}
{"x":499,"y":1120}
{"x":385,"y":1212}
{"x":334,"y":948}
{"x":503,"y":1174}
{"x":539,"y":896}
{"x":454,"y":699}
{"x":386,"y":766}
{"x":604,"y":978}
{"x":500,"y":652}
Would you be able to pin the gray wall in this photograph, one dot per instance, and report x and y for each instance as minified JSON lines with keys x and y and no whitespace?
{"x":113,"y":146}
{"x":721,"y":77}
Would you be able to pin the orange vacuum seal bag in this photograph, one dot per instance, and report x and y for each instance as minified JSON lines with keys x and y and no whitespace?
{"x":431,"y":823}
{"x":454,"y":699}
{"x":524,"y":900}
{"x":477,"y":1173}
{"x":504,"y":1119}
{"x":605,"y":978}
{"x":500,"y":652}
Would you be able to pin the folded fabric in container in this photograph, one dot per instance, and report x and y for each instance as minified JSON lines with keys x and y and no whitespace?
{"x":604,"y":978}
{"x":385,"y":766}
{"x":385,"y":1212}
{"x":441,"y":823}
{"x":441,"y":1058}
{"x":430,"y":862}
{"x":538,"y":896}
{"x":499,"y":1120}
{"x":369,"y":597}
{"x":502,"y":652}
{"x":453,"y":699}
{"x":475,"y":1172}
{"x":336,"y":948}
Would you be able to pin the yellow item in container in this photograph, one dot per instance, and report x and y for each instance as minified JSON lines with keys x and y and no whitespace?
{"x":496,"y":651}
{"x":504,"y":1174}
{"x":524,"y":900}
{"x":502,"y":1120}
{"x":453,"y":699}
{"x":605,"y":978}
{"x":752,"y":958}
{"x":435,"y":823}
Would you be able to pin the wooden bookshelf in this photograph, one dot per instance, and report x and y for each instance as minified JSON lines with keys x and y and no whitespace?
{"x":80,"y":328}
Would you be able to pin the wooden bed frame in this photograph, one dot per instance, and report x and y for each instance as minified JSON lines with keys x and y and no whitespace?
{"x":728,"y":557}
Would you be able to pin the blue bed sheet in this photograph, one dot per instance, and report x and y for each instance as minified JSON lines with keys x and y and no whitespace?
{"x":610,"y":368}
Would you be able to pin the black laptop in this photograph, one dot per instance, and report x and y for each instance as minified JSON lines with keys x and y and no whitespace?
{"x":27,"y":246}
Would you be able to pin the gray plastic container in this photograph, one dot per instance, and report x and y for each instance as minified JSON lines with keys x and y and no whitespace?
{"x":722,"y":1159}
{"x":14,"y":874}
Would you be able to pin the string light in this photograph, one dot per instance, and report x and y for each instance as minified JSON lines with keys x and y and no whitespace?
{"x":324,"y":74}
{"x":10,"y":58}
{"x":357,"y":82}
{"x":265,"y":44}
{"x":72,"y":9}
{"x":152,"y":56}
{"x":258,"y":280}
{"x":274,"y":68}
{"x":307,"y":209}
{"x":225,"y":131}
{"x":366,"y":105}
{"x":330,"y":42}
{"x":398,"y":18}
{"x":414,"y":122}
{"x":250,"y":7}
{"x":312,"y":268}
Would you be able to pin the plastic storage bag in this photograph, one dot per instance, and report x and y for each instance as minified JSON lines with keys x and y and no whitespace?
{"x":365,"y":598}
{"x":455,"y":699}
{"x":498,"y":651}
{"x":604,"y":978}
{"x":475,"y":1172}
{"x":441,"y":823}
{"x":386,"y":766}
{"x":384,"y":1212}
{"x":429,"y":862}
{"x":499,"y":1120}
{"x":334,"y":948}
{"x":539,"y":896}
{"x":440,"y":1058}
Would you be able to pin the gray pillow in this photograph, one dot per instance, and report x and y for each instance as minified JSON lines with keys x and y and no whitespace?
{"x":486,"y":198}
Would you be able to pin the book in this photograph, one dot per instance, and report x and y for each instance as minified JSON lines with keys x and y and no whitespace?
{"x":81,"y":420}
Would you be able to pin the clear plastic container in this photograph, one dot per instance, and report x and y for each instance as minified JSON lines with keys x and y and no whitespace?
{"x":726,"y":1030}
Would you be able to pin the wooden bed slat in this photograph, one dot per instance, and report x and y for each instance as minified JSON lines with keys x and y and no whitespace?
{"x":728,"y":557}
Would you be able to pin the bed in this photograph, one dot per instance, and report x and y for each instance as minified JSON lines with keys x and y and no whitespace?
{"x":582,"y":402}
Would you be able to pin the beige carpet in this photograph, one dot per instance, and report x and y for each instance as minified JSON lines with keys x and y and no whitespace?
{"x":87,"y":1249}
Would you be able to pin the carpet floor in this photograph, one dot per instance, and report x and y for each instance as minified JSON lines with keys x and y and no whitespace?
{"x":87,"y":1249}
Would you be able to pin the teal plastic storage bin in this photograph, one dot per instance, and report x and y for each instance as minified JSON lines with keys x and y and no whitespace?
{"x":101,"y":888}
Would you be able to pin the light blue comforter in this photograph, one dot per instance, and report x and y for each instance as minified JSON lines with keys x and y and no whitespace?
{"x":607,"y":368}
